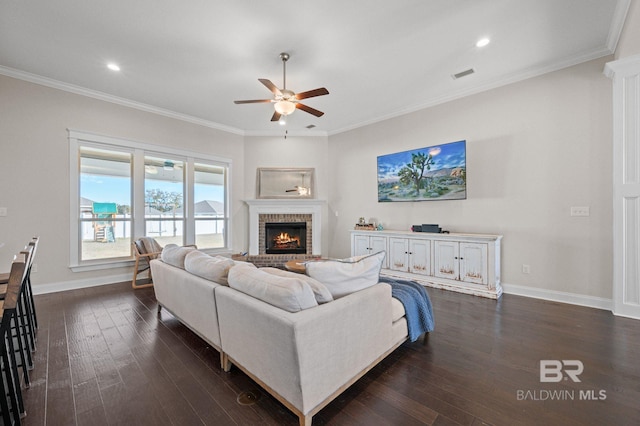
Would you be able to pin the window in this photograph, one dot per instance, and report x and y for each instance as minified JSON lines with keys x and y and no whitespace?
{"x":121,"y":190}
{"x":209,"y":189}
{"x":164,"y":200}
{"x":104,"y":204}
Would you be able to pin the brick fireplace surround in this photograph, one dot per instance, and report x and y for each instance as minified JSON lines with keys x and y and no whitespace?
{"x":283,"y":210}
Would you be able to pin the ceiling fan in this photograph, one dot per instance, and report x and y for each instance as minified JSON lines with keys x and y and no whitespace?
{"x":286,"y":101}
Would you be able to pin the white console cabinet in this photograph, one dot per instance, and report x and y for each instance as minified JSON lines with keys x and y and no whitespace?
{"x":467,"y":263}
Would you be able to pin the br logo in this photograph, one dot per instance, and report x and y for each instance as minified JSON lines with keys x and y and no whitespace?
{"x":553,"y":370}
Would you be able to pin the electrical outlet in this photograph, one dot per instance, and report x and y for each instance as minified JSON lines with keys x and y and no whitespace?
{"x":580,"y":211}
{"x":3,"y":211}
{"x":526,"y":269}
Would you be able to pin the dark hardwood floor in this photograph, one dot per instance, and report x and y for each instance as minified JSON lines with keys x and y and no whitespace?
{"x":104,"y":357}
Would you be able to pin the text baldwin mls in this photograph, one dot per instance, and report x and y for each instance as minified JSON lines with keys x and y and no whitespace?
{"x":554,"y":371}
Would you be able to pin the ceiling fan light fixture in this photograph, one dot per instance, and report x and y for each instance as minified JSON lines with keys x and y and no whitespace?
{"x":285,"y":107}
{"x":282,"y":121}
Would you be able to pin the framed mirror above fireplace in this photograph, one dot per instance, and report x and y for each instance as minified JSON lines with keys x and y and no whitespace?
{"x":272,"y":182}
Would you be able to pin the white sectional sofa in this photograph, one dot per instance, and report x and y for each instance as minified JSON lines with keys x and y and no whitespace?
{"x":305,"y":358}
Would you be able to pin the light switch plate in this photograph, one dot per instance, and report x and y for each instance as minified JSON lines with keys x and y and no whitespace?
{"x":580,"y":211}
{"x":3,"y":211}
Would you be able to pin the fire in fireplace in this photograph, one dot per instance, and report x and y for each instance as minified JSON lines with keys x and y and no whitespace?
{"x":286,"y":238}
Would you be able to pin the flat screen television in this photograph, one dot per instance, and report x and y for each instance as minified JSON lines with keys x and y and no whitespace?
{"x":436,"y":172}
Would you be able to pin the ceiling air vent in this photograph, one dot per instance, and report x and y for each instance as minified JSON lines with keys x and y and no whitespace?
{"x":463,"y":73}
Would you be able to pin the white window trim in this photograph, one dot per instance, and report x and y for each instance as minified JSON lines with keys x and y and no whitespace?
{"x":78,"y":137}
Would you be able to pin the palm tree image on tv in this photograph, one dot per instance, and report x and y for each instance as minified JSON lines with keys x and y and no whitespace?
{"x":432,"y":173}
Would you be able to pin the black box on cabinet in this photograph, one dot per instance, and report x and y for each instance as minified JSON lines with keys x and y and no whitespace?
{"x":431,"y":228}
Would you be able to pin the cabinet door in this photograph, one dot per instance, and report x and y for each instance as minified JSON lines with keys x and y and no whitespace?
{"x":473,"y":262}
{"x":420,"y":257}
{"x":360,"y":245}
{"x":378,"y":244}
{"x":399,"y":254}
{"x":446,"y":259}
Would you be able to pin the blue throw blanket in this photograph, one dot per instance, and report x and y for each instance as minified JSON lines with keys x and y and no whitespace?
{"x":417,"y":305}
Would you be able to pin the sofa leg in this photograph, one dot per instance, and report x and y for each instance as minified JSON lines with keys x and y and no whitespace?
{"x":159,"y":308}
{"x":305,"y":420}
{"x":425,"y":338}
{"x":225,"y":362}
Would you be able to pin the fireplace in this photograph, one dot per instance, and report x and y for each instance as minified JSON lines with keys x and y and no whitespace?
{"x":285,"y":237}
{"x":264,"y":211}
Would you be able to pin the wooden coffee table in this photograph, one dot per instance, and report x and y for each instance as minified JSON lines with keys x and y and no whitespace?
{"x":296,"y":265}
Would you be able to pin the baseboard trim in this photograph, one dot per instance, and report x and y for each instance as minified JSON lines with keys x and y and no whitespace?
{"x":55,"y":287}
{"x":558,"y":296}
{"x":517,"y":290}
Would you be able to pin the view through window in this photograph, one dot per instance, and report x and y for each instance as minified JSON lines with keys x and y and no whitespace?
{"x":105,"y":203}
{"x":164,"y":200}
{"x":179,"y":199}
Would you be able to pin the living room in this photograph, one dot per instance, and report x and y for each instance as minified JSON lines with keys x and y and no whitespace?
{"x":535,"y":148}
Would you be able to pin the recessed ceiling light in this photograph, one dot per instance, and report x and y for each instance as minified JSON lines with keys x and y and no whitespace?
{"x":482,"y":42}
{"x":113,"y":67}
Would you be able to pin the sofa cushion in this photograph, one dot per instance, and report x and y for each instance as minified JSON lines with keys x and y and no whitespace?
{"x":320,"y":291}
{"x":345,"y":276}
{"x":174,"y":255}
{"x":212,"y":268}
{"x":290,"y":294}
{"x":242,"y":263}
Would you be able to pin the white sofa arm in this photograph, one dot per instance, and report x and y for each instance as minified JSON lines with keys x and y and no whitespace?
{"x":305,"y":357}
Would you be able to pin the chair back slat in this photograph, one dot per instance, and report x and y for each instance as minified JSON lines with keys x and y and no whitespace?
{"x":16,"y":278}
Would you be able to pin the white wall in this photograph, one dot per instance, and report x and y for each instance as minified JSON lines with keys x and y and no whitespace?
{"x":34,"y":181}
{"x":294,"y":151}
{"x":534,"y":149}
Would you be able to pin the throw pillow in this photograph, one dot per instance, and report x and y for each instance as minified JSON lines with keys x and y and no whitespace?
{"x":343,"y":277}
{"x":208,"y":267}
{"x":320,"y":291}
{"x":289,"y":294}
{"x":174,"y":255}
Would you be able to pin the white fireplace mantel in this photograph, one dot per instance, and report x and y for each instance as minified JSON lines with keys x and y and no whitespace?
{"x":286,"y":206}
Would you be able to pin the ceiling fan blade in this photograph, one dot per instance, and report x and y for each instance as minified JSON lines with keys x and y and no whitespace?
{"x":253,"y":101}
{"x":275,"y":116}
{"x":272,"y":87}
{"x":310,"y":110}
{"x":312,"y":93}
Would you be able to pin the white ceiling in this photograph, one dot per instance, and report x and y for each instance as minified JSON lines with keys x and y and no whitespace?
{"x":378,"y":59}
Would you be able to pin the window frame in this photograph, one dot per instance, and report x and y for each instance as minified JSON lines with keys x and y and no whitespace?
{"x":138,"y":151}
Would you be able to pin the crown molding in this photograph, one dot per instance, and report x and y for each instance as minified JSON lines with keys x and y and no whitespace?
{"x":78,"y":90}
{"x":494,"y":84}
{"x":617,"y":24}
